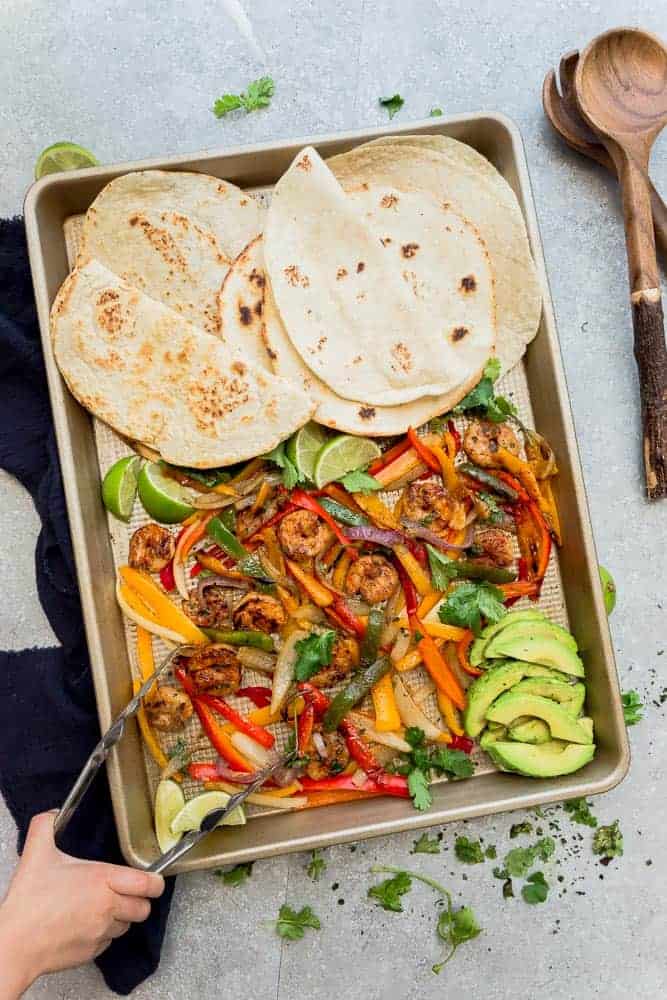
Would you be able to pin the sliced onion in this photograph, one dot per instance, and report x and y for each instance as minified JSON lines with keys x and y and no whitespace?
{"x":409,"y":477}
{"x":256,"y":659}
{"x":392,"y":740}
{"x":165,"y":633}
{"x":265,"y":798}
{"x":308,"y":613}
{"x":356,"y":605}
{"x":320,"y":745}
{"x":251,"y":749}
{"x":378,"y":536}
{"x":359,"y":778}
{"x":416,"y":530}
{"x":212,"y":501}
{"x":283,"y":674}
{"x":391,"y":616}
{"x":401,"y":646}
{"x":220,"y":581}
{"x":410,"y":712}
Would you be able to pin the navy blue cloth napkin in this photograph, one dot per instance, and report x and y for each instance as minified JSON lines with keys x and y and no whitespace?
{"x":48,"y":718}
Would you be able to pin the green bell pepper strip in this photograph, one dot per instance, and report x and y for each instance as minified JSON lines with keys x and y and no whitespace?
{"x":466,"y":570}
{"x":343,"y":514}
{"x":358,"y":688}
{"x":259,"y":640}
{"x":226,"y":539}
{"x":493,"y":482}
{"x":371,"y":641}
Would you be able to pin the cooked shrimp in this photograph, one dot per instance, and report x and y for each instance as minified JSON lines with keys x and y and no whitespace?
{"x":496,"y":545}
{"x":373,"y":577}
{"x":260,"y":613}
{"x":482,"y":440}
{"x":212,"y":611}
{"x":336,"y":761}
{"x":249,"y":521}
{"x":167,"y":708}
{"x":303,"y":535}
{"x":215,"y":669}
{"x":427,"y":502}
{"x":151,"y":547}
{"x":344,"y":658}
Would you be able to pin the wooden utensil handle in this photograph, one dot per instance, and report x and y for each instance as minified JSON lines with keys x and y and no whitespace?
{"x":638,"y":219}
{"x":651,"y":356}
{"x":659,"y":210}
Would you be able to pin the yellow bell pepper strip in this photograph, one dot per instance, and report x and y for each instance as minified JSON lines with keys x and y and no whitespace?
{"x":419,"y":576}
{"x":446,"y":468}
{"x":193,"y":534}
{"x":331,"y":554}
{"x":439,"y":670}
{"x":411,"y":660}
{"x":340,"y":572}
{"x":134,"y":608}
{"x":446,"y":706}
{"x":247,"y":471}
{"x":317,"y":592}
{"x":288,"y":601}
{"x":428,"y":603}
{"x":263,"y":494}
{"x":438,"y":630}
{"x":148,"y":736}
{"x":522,"y":470}
{"x":274,"y":552}
{"x":387,"y":719}
{"x":378,"y":511}
{"x":163,"y":611}
{"x":224,"y":490}
{"x":550,"y":510}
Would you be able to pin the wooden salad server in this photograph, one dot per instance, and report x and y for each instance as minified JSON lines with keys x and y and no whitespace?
{"x":621,"y":90}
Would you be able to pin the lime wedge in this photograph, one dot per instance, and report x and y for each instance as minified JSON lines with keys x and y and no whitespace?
{"x":304,"y":447}
{"x":342,"y":455}
{"x":119,"y":487}
{"x":163,"y":498}
{"x":63,"y":156}
{"x":193,"y":812}
{"x":608,"y":589}
{"x":169,"y":802}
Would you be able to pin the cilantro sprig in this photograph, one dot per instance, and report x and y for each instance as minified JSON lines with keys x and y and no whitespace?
{"x":290,"y":474}
{"x":422,"y":762}
{"x":291,"y":924}
{"x":258,"y":95}
{"x":470,"y":602}
{"x":236,"y":875}
{"x":483,"y":400}
{"x":633,"y":708}
{"x":313,"y":653}
{"x":393,"y":104}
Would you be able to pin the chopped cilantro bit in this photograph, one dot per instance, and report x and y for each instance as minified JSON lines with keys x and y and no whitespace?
{"x":388,"y":893}
{"x":632,"y":708}
{"x":518,"y":828}
{"x":580,"y":812}
{"x":317,"y":866}
{"x":468,"y":851}
{"x":258,"y":95}
{"x":392,"y":104}
{"x":313,"y":653}
{"x":360,"y":482}
{"x":608,"y":841}
{"x":236,"y":875}
{"x":426,"y":845}
{"x":536,"y":889}
{"x":292,"y":924}
{"x":435,"y":113}
{"x":508,"y":889}
{"x":490,"y":852}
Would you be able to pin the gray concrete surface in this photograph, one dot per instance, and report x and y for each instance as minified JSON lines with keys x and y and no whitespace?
{"x":131,"y":79}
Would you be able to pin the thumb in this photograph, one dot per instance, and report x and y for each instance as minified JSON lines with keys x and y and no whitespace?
{"x":40,"y":838}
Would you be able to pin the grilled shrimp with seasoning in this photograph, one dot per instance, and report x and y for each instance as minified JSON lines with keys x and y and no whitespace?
{"x":215,"y":669}
{"x":167,"y":708}
{"x":482,"y":440}
{"x":430,"y":504}
{"x":373,"y":577}
{"x":259,"y":613}
{"x":496,"y":546}
{"x":152,"y":548}
{"x":344,"y":659}
{"x":303,"y":535}
{"x":212,"y":610}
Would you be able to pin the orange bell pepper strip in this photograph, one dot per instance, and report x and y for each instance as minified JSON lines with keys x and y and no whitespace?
{"x":387,"y":457}
{"x":462,"y":647}
{"x":438,"y":630}
{"x":439,"y":670}
{"x":162,"y":610}
{"x":187,"y":539}
{"x":406,"y":463}
{"x":449,"y":713}
{"x":522,"y":470}
{"x":341,"y":496}
{"x":549,"y":509}
{"x":148,"y":736}
{"x":318,"y":593}
{"x":145,"y":659}
{"x":428,"y":603}
{"x":340,"y":572}
{"x":425,"y":453}
{"x":263,"y":494}
{"x":520,"y":588}
{"x":387,"y":719}
{"x":378,"y":512}
{"x":419,"y":576}
{"x":512,"y":481}
{"x":216,"y":734}
{"x":332,"y":798}
{"x":534,"y":540}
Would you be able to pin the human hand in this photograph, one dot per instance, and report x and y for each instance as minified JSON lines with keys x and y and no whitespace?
{"x":60,"y":911}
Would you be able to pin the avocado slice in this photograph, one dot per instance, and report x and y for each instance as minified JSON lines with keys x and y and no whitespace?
{"x":493,"y":732}
{"x":537,"y":647}
{"x":529,"y":731}
{"x":476,"y":654}
{"x":563,"y":727}
{"x":532,"y":628}
{"x":545,"y":761}
{"x":483,"y":691}
{"x":570,"y":696}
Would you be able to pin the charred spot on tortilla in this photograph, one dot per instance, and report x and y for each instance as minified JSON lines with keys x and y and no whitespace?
{"x":366,"y":412}
{"x":258,"y":308}
{"x":272,"y":354}
{"x":341,"y":273}
{"x":133,"y":220}
{"x":360,"y":266}
{"x":321,"y":342}
{"x":468,"y":284}
{"x":389,"y":200}
{"x":357,"y":360}
{"x":409,"y":249}
{"x":110,"y":314}
{"x":385,"y":240}
{"x":402,"y":356}
{"x":305,"y":163}
{"x":459,"y":333}
{"x":294,"y":276}
{"x":238,"y":367}
{"x":245,"y":314}
{"x":257,"y":278}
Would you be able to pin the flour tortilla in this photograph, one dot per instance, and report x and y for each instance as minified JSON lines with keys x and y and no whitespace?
{"x":241,"y":305}
{"x":173,"y":235}
{"x":345,"y":303}
{"x":439,"y":231}
{"x":456,"y":173}
{"x":155,"y":378}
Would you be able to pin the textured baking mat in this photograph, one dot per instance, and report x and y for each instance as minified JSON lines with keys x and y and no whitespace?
{"x":111,"y":447}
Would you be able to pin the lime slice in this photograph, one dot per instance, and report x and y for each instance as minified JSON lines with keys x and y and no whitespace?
{"x":304,"y":447}
{"x":342,"y":455}
{"x":608,"y":589}
{"x":169,"y":802}
{"x":193,"y":812}
{"x":119,"y":487}
{"x":163,"y":498}
{"x":63,"y":156}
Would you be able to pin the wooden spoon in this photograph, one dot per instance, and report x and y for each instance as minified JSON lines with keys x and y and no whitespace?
{"x":621,"y":90}
{"x":562,"y":111}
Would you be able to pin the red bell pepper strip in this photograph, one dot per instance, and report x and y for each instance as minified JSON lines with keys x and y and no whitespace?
{"x":358,"y":750}
{"x":218,"y":738}
{"x":409,"y":589}
{"x":520,"y":588}
{"x":461,"y":743}
{"x":203,"y":772}
{"x":451,"y":427}
{"x":304,"y":727}
{"x":418,"y":551}
{"x":349,"y":621}
{"x":258,"y":695}
{"x":388,"y":456}
{"x":423,"y":450}
{"x":167,"y":577}
{"x":195,"y":570}
{"x":314,"y":697}
{"x":390,"y":784}
{"x":512,"y":481}
{"x":306,"y":502}
{"x":251,"y":729}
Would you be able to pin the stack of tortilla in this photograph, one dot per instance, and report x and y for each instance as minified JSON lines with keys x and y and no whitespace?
{"x":382,"y":282}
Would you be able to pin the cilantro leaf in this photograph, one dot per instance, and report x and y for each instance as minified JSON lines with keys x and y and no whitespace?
{"x":418,"y":786}
{"x":317,"y":865}
{"x":483,"y":399}
{"x":236,"y":875}
{"x":443,"y":569}
{"x":490,"y":852}
{"x":608,"y":841}
{"x":536,"y":889}
{"x":468,"y":851}
{"x":291,"y":475}
{"x":492,"y":369}
{"x":470,"y":602}
{"x":359,"y":482}
{"x":313,"y":653}
{"x":518,"y":861}
{"x":388,"y":893}
{"x":179,"y":754}
{"x":545,"y":848}
{"x":632,"y":708}
{"x":392,"y":104}
{"x":435,"y":112}
{"x":580,"y":812}
{"x":426,"y":845}
{"x":454,"y":928}
{"x":415,"y":736}
{"x":258,"y":95}
{"x":518,"y":828}
{"x":455,"y":762}
{"x":496,"y":515}
{"x":292,"y":924}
